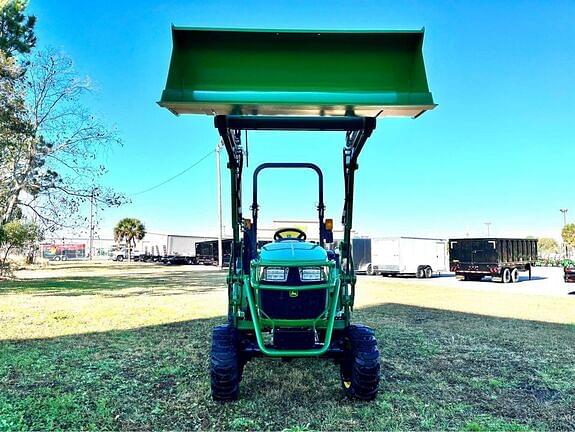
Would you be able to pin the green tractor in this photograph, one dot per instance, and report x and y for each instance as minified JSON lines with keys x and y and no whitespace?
{"x":294,"y":297}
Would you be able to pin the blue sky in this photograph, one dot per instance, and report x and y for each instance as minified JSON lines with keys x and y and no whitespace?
{"x":500,"y":146}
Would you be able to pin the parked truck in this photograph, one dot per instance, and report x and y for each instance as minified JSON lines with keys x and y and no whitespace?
{"x":388,"y":256}
{"x":500,"y":258}
{"x":120,"y":253}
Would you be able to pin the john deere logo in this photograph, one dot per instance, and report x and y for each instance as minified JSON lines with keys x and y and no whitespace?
{"x":293,"y":294}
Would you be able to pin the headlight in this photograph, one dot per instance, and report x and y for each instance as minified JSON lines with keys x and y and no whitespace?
{"x":274,"y":274}
{"x":312,"y":274}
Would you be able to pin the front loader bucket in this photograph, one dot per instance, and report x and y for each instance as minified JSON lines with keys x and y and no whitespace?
{"x":292,"y":72}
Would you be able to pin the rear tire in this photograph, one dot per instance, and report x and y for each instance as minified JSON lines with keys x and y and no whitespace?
{"x":369,"y":270}
{"x":506,"y":275}
{"x":360,"y":368}
{"x":420,"y":273}
{"x":225,"y":366}
{"x":514,"y":275}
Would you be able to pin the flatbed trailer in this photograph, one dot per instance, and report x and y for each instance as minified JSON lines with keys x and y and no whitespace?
{"x":500,"y":258}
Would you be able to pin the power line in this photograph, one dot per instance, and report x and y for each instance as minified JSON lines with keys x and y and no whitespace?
{"x":175,"y":176}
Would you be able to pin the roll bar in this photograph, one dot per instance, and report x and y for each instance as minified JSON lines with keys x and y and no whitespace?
{"x":320,"y":206}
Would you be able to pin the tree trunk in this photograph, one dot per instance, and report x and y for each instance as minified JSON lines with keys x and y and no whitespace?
{"x":3,"y":263}
{"x":11,"y":205}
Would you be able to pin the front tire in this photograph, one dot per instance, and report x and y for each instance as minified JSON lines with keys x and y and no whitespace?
{"x":428,"y":272}
{"x":369,"y":270}
{"x":225,"y":367}
{"x":360,"y":367}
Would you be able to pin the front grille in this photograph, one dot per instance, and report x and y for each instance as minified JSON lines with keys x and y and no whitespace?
{"x":278,"y":304}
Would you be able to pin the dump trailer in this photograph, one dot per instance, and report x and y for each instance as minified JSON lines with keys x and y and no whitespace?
{"x":417,"y":256}
{"x":500,"y":258}
{"x":292,"y":297}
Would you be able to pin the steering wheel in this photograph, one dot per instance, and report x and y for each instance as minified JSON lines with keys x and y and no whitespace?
{"x":301,"y":235}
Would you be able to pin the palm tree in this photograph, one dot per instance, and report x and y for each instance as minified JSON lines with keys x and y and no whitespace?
{"x":129,"y":230}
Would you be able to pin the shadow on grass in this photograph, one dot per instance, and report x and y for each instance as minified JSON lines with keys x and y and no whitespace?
{"x":153,"y":284}
{"x":440,"y":370}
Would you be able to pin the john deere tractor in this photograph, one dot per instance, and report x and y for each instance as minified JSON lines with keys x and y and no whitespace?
{"x":294,"y":296}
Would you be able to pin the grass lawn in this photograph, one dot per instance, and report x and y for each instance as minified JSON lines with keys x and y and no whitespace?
{"x":127,"y":348}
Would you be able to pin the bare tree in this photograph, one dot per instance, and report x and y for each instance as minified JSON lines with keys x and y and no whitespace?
{"x":54,"y":163}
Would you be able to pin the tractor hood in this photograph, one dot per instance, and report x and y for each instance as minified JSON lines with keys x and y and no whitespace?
{"x":292,"y":251}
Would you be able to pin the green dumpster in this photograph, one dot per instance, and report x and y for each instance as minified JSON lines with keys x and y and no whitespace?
{"x":297,"y":72}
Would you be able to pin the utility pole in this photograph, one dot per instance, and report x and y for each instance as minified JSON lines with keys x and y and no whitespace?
{"x":93,"y":195}
{"x":91,"y":241}
{"x":564,"y":211}
{"x":488,"y":224}
{"x":219,"y":146}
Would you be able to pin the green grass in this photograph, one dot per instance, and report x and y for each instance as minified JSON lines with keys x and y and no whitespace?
{"x":441,"y":369}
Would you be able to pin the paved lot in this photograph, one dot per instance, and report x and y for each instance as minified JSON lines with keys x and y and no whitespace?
{"x":545,"y":281}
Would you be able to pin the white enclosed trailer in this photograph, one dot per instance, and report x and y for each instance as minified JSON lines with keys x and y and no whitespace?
{"x":421,"y":257}
{"x":171,"y":247}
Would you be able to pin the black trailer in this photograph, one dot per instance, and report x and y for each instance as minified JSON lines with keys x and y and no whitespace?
{"x":207,"y":252}
{"x":500,"y":258}
{"x":361,"y":253}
